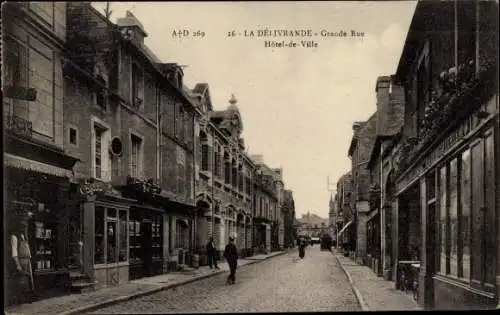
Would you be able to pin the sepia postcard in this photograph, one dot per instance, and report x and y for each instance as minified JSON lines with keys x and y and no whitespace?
{"x":250,"y":156}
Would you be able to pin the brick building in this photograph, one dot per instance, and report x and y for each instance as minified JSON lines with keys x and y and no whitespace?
{"x":446,"y":159}
{"x":130,"y":124}
{"x":359,"y":153}
{"x":38,"y":167}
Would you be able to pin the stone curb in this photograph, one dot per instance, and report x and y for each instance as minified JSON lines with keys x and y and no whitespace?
{"x":357,"y":293}
{"x":88,"y":308}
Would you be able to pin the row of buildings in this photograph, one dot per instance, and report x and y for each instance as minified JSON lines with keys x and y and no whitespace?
{"x":421,"y":202}
{"x":121,"y":171}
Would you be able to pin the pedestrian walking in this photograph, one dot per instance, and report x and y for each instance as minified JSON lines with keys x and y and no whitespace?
{"x":302,"y":249}
{"x":212,"y":253}
{"x":231,"y":255}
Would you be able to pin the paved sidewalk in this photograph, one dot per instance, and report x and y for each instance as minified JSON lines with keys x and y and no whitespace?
{"x":373,"y":292}
{"x":83,"y":302}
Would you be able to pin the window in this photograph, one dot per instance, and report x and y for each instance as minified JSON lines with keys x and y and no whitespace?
{"x":16,"y":74}
{"x":466,"y":235}
{"x":136,"y":157}
{"x":137,"y":86}
{"x":227,"y":172}
{"x":99,"y":236}
{"x":100,"y":156}
{"x":111,"y":235}
{"x":123,"y":246}
{"x":181,"y":240}
{"x":465,"y":232}
{"x":73,"y":136}
{"x":217,"y":162}
{"x":98,"y":151}
{"x":204,"y":152}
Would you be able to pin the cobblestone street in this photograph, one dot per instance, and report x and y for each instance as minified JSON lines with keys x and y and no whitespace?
{"x":282,"y":284}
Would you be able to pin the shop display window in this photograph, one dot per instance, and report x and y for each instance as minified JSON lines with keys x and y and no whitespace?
{"x":45,"y":238}
{"x":111,"y":235}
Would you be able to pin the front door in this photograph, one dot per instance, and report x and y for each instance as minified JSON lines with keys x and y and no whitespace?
{"x":147,"y":253}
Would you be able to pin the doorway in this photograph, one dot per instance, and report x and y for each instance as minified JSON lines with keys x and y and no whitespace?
{"x":146,"y":244}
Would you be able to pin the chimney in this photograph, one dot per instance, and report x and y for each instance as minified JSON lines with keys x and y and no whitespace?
{"x":257,"y":158}
{"x":383,"y":89}
{"x":132,"y":28}
{"x":357,"y":125}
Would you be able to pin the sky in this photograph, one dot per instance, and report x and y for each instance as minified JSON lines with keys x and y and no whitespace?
{"x":297,"y":104}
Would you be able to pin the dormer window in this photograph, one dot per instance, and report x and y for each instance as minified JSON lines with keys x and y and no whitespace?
{"x":100,"y":94}
{"x":137,"y":86}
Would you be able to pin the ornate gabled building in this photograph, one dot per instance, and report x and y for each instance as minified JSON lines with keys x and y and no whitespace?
{"x":223,"y":175}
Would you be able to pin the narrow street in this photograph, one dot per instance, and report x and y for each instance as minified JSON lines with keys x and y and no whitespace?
{"x":281,"y":284}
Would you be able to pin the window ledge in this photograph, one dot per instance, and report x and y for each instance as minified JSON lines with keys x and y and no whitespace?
{"x":462,"y":283}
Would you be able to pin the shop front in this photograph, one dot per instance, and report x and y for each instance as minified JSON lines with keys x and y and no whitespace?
{"x":41,"y":200}
{"x":373,"y":241}
{"x":146,"y":230}
{"x":454,"y":186}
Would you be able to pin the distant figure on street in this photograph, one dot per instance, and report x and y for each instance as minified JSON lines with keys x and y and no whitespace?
{"x":231,"y":255}
{"x":302,"y":248}
{"x":212,"y":253}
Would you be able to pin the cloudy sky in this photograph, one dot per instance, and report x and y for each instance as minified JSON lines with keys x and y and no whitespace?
{"x":297,"y":104}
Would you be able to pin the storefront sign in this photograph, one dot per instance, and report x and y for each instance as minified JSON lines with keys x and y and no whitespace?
{"x":438,"y":153}
{"x":89,"y":189}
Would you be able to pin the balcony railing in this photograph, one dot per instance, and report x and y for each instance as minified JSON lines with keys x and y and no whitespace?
{"x":19,"y":126}
{"x":461,"y":90}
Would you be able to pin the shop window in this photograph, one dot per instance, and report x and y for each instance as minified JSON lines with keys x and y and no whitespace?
{"x":453,"y":217}
{"x":99,"y":236}
{"x":466,"y":236}
{"x":123,"y":245}
{"x":465,"y":218}
{"x":443,"y":223}
{"x":110,"y":235}
{"x":112,"y":241}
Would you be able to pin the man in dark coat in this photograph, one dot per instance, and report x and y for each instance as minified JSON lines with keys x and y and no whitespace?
{"x":212,"y":253}
{"x":231,"y":255}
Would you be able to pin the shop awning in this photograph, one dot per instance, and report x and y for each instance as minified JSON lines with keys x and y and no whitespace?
{"x":345,"y":227}
{"x":27,"y":164}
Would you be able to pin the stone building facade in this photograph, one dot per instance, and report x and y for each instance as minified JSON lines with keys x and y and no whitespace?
{"x":289,"y":219}
{"x":346,"y":235}
{"x":38,"y":168}
{"x":130,"y":125}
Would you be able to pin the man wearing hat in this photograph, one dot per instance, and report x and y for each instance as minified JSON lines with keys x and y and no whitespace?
{"x":21,"y":273}
{"x":231,"y":255}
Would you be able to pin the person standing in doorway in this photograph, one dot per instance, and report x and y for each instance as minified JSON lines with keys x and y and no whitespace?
{"x":21,"y":274}
{"x":231,"y":255}
{"x":212,"y":253}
